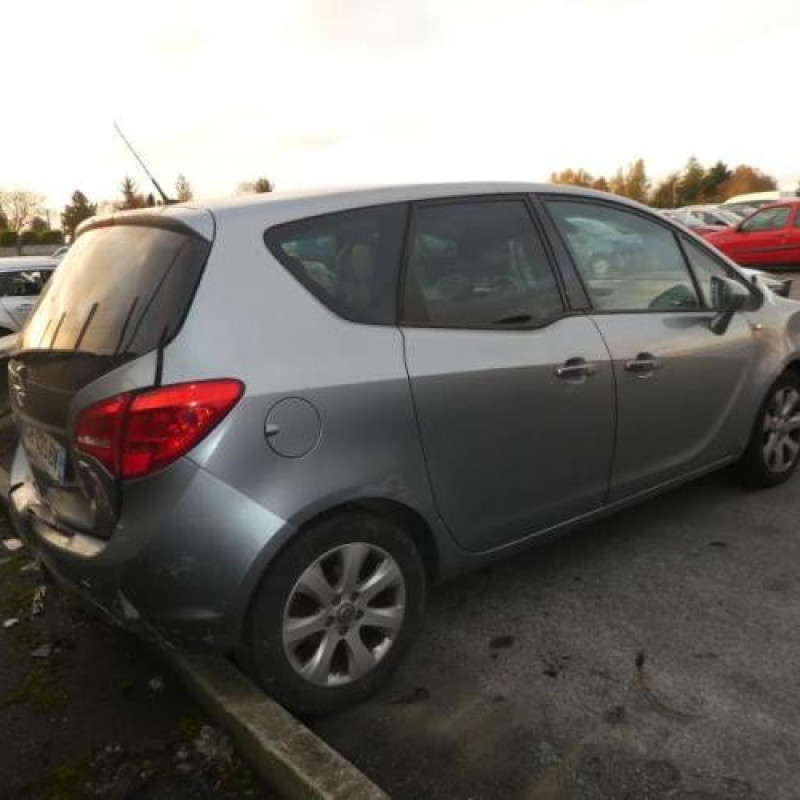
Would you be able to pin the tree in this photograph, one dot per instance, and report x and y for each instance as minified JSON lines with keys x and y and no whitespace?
{"x":690,"y":185}
{"x":712,"y":182}
{"x":3,"y":221}
{"x":665,"y":193}
{"x":131,"y":197}
{"x":76,"y":212}
{"x":38,"y":224}
{"x":258,"y":186}
{"x":183,"y":190}
{"x":572,"y":177}
{"x":632,"y":183}
{"x":746,"y":179}
{"x":601,"y":184}
{"x":19,"y":206}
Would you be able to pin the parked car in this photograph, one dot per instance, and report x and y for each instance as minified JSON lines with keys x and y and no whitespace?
{"x":21,"y":280}
{"x":768,"y":237}
{"x":412,"y":382}
{"x":713,"y":216}
{"x":758,"y":199}
{"x":690,"y":220}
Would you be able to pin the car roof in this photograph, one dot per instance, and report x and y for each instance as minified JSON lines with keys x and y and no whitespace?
{"x":354,"y":196}
{"x":27,"y":262}
{"x":271,"y":208}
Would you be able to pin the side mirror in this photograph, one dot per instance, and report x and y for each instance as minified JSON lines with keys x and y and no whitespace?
{"x":727,"y":297}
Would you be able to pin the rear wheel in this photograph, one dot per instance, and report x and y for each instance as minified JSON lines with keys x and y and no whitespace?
{"x":335,"y":612}
{"x":774,"y":449}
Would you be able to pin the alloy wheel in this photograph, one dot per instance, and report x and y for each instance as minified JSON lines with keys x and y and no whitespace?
{"x":343,"y":614}
{"x":781,"y":431}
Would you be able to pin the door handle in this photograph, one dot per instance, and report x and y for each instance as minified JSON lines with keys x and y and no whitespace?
{"x":576,"y":368}
{"x":643,"y":364}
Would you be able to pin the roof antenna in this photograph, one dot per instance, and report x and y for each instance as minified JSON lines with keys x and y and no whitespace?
{"x":167,"y":200}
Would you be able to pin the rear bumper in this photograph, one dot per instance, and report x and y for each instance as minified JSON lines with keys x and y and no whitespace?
{"x":181,"y":565}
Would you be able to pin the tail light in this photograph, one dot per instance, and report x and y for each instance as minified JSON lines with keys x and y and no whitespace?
{"x":135,"y":434}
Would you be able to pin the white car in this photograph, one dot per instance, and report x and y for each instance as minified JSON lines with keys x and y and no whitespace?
{"x":21,"y":281}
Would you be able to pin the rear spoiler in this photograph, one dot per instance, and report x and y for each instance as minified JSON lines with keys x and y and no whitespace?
{"x":191,"y":221}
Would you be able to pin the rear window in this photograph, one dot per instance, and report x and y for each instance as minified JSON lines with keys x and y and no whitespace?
{"x":348,"y":260}
{"x":121,"y":290}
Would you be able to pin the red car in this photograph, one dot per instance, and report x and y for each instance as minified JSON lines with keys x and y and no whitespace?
{"x":768,"y":237}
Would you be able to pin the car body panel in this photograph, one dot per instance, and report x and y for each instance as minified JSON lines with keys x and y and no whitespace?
{"x":510,"y":446}
{"x":705,"y":374}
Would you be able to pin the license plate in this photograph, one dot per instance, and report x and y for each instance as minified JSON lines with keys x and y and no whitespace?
{"x":46,"y":452}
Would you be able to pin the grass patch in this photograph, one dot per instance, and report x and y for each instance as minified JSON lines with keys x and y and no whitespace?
{"x":41,"y":692}
{"x":67,"y":782}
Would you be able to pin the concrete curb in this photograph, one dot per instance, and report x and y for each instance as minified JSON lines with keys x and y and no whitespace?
{"x":282,"y":750}
{"x":287,"y":755}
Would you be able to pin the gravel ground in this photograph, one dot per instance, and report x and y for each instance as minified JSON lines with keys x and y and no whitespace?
{"x":86,"y":711}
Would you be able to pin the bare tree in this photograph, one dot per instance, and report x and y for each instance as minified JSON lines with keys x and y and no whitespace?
{"x":183,"y":190}
{"x":20,"y":206}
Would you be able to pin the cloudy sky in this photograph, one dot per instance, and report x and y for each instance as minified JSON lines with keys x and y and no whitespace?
{"x":321,"y":92}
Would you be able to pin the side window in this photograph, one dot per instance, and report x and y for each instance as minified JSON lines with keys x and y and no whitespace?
{"x":478,"y":264}
{"x":797,"y":218}
{"x":770,"y":219}
{"x":706,"y":267}
{"x":25,"y":283}
{"x":348,"y":260}
{"x":628,"y":263}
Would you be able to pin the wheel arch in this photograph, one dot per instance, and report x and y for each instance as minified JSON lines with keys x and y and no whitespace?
{"x":404,"y":516}
{"x":409,"y":519}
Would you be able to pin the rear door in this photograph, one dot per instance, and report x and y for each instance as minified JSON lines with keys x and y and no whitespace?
{"x":119,"y":295}
{"x":514,"y":394}
{"x":679,"y":386}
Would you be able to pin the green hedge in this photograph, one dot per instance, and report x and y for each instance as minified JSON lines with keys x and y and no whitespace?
{"x":51,"y":237}
{"x":9,"y":238}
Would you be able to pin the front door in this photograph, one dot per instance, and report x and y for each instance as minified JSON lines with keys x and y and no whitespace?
{"x":679,"y":386}
{"x":764,"y":238}
{"x":514,"y":396}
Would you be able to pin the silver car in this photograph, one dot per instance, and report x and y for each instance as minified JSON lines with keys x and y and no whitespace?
{"x":267,"y":426}
{"x":21,"y":281}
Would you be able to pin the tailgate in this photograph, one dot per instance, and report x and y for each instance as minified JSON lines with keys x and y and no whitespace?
{"x":117,"y":298}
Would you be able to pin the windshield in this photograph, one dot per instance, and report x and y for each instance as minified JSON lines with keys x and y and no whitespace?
{"x":121,"y":290}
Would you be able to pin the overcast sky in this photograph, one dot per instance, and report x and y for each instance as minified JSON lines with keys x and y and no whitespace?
{"x":322,"y":92}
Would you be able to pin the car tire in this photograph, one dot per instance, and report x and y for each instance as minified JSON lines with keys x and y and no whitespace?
{"x":321,"y":634}
{"x":5,"y":332}
{"x":773,"y":451}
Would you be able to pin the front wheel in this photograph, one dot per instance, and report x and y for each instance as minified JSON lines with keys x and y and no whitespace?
{"x":774,"y":448}
{"x":335,"y":612}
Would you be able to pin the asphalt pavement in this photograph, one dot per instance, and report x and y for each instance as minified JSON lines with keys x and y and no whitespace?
{"x":653,"y":655}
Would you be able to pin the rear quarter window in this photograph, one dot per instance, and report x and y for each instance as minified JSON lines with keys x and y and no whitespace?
{"x":348,"y":260}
